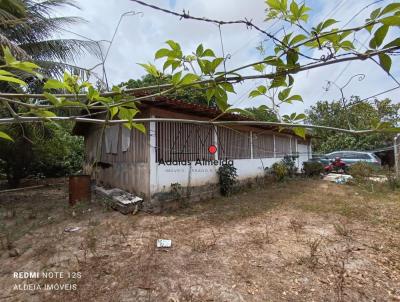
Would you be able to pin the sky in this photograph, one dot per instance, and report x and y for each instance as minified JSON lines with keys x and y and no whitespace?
{"x":140,"y":36}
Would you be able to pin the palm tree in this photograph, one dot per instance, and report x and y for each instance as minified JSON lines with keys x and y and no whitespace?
{"x":27,"y":28}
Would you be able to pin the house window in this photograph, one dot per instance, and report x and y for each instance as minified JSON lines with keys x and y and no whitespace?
{"x":183,"y":142}
{"x":282,"y":145}
{"x":233,"y":144}
{"x":263,"y":145}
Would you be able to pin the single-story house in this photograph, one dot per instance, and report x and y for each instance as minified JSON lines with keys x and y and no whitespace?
{"x":182,"y":153}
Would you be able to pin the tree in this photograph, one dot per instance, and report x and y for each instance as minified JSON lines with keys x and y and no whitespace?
{"x":262,"y":113}
{"x":27,"y":28}
{"x":358,"y":116}
{"x":202,"y":69}
{"x":190,"y":95}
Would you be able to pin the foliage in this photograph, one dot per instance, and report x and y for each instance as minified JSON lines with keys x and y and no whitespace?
{"x":262,"y":113}
{"x":312,"y":168}
{"x":359,"y":116}
{"x":289,"y":162}
{"x":48,"y":151}
{"x":361,"y":170}
{"x":189,"y":95}
{"x":280,"y":171}
{"x":58,"y":154}
{"x":227,"y":179}
{"x":27,"y":28}
{"x":203,"y":69}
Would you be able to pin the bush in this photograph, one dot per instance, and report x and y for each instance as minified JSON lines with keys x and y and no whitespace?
{"x":280,"y":170}
{"x":290,"y":164}
{"x":312,"y":168}
{"x":361,"y":170}
{"x":227,"y":179}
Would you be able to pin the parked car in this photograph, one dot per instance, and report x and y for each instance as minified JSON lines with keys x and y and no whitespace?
{"x":351,"y":157}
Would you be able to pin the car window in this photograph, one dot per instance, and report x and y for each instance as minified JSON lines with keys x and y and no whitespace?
{"x":350,"y":155}
{"x":335,"y":154}
{"x":354,"y":155}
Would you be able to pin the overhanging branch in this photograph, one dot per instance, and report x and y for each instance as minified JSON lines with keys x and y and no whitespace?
{"x":188,"y":121}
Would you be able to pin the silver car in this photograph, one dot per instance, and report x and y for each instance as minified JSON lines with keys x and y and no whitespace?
{"x":351,"y":157}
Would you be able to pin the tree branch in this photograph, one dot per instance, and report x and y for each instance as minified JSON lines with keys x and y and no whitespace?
{"x":216,"y":123}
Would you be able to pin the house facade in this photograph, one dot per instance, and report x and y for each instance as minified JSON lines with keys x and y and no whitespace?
{"x":183,"y":154}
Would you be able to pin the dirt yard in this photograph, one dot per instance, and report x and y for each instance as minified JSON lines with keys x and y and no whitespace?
{"x":305,"y":240}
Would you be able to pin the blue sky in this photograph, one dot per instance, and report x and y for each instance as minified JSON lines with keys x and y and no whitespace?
{"x":172,"y":3}
{"x":140,"y":36}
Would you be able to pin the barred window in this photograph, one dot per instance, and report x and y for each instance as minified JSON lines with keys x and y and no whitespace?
{"x":282,"y":145}
{"x":233,"y":144}
{"x":183,"y":142}
{"x":263,"y":145}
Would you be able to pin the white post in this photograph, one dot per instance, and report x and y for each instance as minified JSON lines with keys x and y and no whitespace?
{"x":215,"y":141}
{"x":152,"y":157}
{"x":251,"y":144}
{"x":274,"y":145}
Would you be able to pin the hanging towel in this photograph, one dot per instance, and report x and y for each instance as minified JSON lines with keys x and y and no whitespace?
{"x":111,"y":139}
{"x":126,"y":139}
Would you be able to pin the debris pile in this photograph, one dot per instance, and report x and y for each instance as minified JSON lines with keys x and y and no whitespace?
{"x":120,"y":200}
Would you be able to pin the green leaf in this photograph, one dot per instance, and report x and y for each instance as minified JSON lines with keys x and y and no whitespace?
{"x":347,"y":45}
{"x":6,"y":73}
{"x":208,"y":53}
{"x":113,"y":112}
{"x":300,"y":116}
{"x":259,"y":67}
{"x":282,"y":95}
{"x":12,"y":80}
{"x":25,"y":66}
{"x":189,"y":78}
{"x":151,"y":69}
{"x":127,"y":114}
{"x":295,"y":97}
{"x":395,"y":42}
{"x":292,"y":58}
{"x":328,"y":23}
{"x":215,"y":63}
{"x":174,"y":45}
{"x":163,"y":52}
{"x":254,"y":93}
{"x":262,"y":89}
{"x":274,"y":4}
{"x":300,"y":131}
{"x":140,"y":127}
{"x":227,"y":87}
{"x":200,"y":50}
{"x":221,"y":98}
{"x":279,"y":81}
{"x":44,"y":113}
{"x":385,"y":61}
{"x":391,"y":21}
{"x":54,"y":84}
{"x":8,"y":57}
{"x":5,"y":136}
{"x":176,"y":78}
{"x":379,"y":36}
{"x":209,"y":94}
{"x":389,"y":8}
{"x":297,"y":39}
{"x":375,"y":13}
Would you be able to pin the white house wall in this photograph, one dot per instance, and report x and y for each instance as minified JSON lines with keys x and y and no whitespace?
{"x":162,"y":175}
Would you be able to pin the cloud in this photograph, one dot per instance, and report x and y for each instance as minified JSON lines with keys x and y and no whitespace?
{"x":139,"y":36}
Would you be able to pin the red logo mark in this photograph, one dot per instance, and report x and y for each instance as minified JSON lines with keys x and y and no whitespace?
{"x":212,"y":149}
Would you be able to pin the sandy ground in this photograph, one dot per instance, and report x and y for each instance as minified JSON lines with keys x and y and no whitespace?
{"x":304,"y":240}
